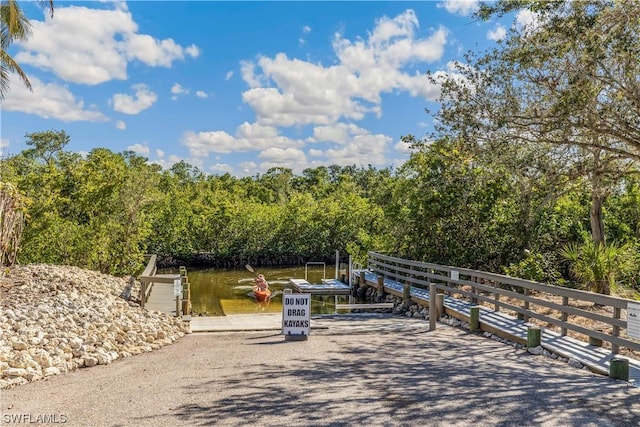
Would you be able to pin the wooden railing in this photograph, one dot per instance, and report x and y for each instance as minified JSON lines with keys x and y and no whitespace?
{"x":146,"y":279}
{"x":563,"y":307}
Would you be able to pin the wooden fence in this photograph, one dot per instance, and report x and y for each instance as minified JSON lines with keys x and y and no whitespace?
{"x":564,"y":308}
{"x":146,"y":279}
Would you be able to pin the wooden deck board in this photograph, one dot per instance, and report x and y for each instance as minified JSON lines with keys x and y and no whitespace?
{"x":595,"y":358}
{"x":162,"y":299}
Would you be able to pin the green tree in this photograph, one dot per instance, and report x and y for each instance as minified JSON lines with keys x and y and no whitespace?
{"x":565,"y":89}
{"x":14,"y":26}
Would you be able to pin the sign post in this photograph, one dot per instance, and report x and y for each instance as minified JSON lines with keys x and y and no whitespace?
{"x":296,"y":321}
{"x":177,"y":292}
{"x":633,"y":320}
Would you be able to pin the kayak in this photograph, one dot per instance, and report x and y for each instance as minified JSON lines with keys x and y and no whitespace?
{"x":261,"y":295}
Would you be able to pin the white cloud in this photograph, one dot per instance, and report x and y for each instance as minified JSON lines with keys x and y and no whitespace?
{"x":48,"y":100}
{"x":355,"y":145}
{"x":248,"y":168}
{"x":498,"y":33}
{"x":306,"y":29}
{"x":292,"y":158}
{"x":4,"y":144}
{"x":527,"y":21}
{"x":460,"y":7}
{"x":402,"y":147}
{"x":92,"y":46}
{"x":140,"y":149}
{"x":193,"y":51}
{"x":228,"y":75}
{"x":340,"y":133}
{"x":201,"y":94}
{"x":121,"y":125}
{"x":288,"y":92}
{"x":127,"y":104}
{"x":362,"y":148}
{"x":177,"y":89}
{"x":247,"y":69}
{"x":221,"y":168}
{"x":249,"y":136}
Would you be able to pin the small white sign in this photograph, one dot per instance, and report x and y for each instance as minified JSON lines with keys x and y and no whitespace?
{"x":455,"y":275}
{"x":177,"y":287}
{"x":633,"y":320}
{"x":296,"y":309}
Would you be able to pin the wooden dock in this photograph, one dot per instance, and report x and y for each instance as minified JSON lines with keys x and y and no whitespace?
{"x":166,"y":293}
{"x":327,"y":287}
{"x":162,"y":297}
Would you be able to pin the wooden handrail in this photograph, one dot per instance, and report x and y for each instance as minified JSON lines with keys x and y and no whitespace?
{"x":487,"y":287}
{"x":145,"y":283}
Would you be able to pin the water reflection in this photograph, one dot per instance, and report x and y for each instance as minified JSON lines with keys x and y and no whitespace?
{"x":216,"y":292}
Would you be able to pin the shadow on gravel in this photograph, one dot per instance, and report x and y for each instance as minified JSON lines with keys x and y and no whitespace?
{"x":410,"y":376}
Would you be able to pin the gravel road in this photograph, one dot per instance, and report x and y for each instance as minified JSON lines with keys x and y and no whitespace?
{"x":374,"y":371}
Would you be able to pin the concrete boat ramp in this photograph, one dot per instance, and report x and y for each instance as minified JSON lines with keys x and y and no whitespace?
{"x":239,"y":323}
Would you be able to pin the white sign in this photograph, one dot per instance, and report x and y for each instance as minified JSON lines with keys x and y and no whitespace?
{"x":177,"y":287}
{"x":633,"y":320}
{"x":296,"y":310}
{"x":455,"y":275}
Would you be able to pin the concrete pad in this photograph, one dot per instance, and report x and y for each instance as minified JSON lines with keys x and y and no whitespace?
{"x":241,"y":322}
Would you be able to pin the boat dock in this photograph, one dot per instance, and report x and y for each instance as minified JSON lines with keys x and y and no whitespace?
{"x":327,"y":287}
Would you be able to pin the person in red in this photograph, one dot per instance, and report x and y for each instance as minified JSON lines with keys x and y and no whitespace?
{"x":261,"y":283}
{"x":261,"y":290}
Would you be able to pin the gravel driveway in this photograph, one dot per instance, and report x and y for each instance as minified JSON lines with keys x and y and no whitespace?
{"x":375,"y":371}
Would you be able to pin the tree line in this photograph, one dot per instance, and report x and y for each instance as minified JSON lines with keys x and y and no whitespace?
{"x":445,"y":205}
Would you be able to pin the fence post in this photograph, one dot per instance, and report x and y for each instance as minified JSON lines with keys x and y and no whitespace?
{"x":380,"y":286}
{"x":440,"y":305}
{"x":432,"y":306}
{"x":565,"y":315}
{"x":406,"y":292}
{"x":474,"y":291}
{"x":619,"y":368}
{"x":615,"y":348}
{"x":143,"y":292}
{"x":534,"y":336}
{"x":474,"y":318}
{"x":522,"y":316}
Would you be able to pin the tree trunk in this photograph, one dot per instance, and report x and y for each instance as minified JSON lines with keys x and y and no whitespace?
{"x":597,"y":224}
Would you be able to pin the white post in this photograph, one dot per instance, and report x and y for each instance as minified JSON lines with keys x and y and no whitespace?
{"x":337,"y":265}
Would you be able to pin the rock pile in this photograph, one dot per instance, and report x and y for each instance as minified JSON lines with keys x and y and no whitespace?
{"x":55,"y":319}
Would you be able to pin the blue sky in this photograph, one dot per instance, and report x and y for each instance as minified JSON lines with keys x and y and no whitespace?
{"x":239,"y":87}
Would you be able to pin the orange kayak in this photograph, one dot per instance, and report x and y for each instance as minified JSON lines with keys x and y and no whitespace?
{"x":261,"y":295}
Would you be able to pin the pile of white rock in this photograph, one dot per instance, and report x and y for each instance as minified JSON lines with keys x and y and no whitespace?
{"x":55,"y":319}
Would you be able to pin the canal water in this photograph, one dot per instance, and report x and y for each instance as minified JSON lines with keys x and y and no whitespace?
{"x":219,"y":292}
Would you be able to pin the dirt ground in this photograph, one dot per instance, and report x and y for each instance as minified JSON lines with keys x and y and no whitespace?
{"x":360,"y":370}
